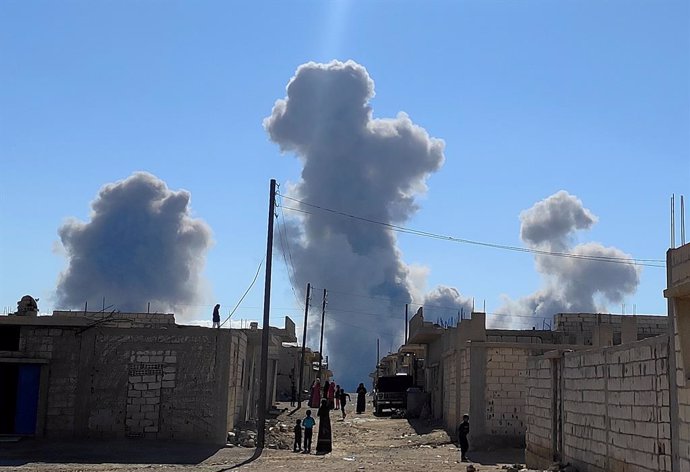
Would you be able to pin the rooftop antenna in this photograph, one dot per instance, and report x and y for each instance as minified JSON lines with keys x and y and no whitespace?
{"x":682,"y":220}
{"x":673,"y":221}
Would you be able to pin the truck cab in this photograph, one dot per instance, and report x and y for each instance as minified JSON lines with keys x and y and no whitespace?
{"x":391,"y":392}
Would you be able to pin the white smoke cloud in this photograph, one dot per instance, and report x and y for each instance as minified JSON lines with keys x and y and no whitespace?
{"x":141,"y":245}
{"x":446,"y":303}
{"x":364,"y":166}
{"x":570,"y":284}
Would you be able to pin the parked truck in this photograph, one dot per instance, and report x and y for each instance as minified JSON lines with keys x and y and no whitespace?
{"x":391,"y":392}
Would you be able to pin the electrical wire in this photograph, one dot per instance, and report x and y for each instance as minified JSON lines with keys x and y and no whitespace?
{"x":401,"y":229}
{"x":258,"y":269}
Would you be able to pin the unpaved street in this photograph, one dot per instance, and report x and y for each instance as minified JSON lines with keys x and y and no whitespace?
{"x":361,"y":442}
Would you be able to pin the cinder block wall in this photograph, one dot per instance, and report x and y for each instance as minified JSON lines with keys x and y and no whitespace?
{"x":137,"y":382}
{"x":505,"y":393}
{"x":578,"y":327}
{"x":616,"y":413}
{"x":539,"y":413}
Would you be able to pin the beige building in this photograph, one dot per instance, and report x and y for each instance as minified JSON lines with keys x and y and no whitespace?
{"x":99,"y":375}
{"x":483,"y":372}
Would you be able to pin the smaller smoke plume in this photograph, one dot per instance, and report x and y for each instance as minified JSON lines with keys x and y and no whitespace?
{"x":446,"y":304}
{"x":141,"y":245}
{"x":570,"y":284}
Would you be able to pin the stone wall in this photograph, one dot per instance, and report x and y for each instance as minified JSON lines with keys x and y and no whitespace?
{"x":615,"y":403}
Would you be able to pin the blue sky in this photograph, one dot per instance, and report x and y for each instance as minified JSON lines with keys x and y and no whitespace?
{"x":531,"y":97}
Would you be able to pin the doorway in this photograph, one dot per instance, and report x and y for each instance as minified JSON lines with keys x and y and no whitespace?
{"x":19,"y":387}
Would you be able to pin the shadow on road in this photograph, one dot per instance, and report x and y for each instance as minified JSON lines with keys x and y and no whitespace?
{"x":498,"y":456}
{"x":92,"y":451}
{"x":255,"y":456}
{"x":424,"y":426}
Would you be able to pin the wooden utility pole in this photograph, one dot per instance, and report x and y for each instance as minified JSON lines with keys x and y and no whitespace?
{"x":263,"y":384}
{"x":304,"y":348}
{"x":406,"y":307}
{"x":323,"y":318}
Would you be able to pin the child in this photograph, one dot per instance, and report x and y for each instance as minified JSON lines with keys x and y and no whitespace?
{"x":297,"y":447}
{"x":463,"y":431}
{"x":308,"y":430}
{"x":344,"y":398}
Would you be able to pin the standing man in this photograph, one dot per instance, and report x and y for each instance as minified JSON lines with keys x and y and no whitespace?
{"x":216,"y":316}
{"x":463,"y":431}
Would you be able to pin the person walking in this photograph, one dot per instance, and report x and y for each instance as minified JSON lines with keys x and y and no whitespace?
{"x":308,"y":423}
{"x":293,"y":394}
{"x":331,"y":395}
{"x":216,"y":316}
{"x":315,"y":398}
{"x":361,"y":398}
{"x":324,"y":393}
{"x":337,"y":397}
{"x":463,"y":431}
{"x":324,"y":441}
{"x":344,"y":398}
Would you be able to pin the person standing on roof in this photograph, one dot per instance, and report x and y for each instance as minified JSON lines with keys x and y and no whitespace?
{"x":216,"y":316}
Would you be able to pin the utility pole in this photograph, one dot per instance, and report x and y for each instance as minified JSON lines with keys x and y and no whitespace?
{"x":406,"y":308}
{"x":377,"y":363}
{"x":304,"y":347}
{"x":263,"y":384}
{"x":323,"y":318}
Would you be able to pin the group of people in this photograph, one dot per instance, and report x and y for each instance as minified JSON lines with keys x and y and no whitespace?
{"x":326,"y":397}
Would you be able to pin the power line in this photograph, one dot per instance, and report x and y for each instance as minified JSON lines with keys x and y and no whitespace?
{"x":401,"y":229}
{"x":289,"y":266}
{"x":258,"y":269}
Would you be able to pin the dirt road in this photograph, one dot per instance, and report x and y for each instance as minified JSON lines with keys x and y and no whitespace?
{"x":360,"y":442}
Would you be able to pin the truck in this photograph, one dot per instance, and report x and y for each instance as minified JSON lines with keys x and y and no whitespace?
{"x":391,"y":392}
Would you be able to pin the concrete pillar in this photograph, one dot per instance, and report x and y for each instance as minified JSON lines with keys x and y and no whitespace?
{"x":602,"y":335}
{"x":628,"y":329}
{"x":478,"y":327}
{"x":477,"y":395}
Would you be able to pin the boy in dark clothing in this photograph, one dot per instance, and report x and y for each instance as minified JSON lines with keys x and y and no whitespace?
{"x":297,"y":447}
{"x":463,"y":431}
{"x":309,"y":423}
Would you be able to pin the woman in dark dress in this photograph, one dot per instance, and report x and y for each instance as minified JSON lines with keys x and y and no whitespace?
{"x":361,"y":398}
{"x":324,"y":441}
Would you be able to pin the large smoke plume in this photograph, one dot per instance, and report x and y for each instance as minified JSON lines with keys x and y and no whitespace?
{"x":570,"y":284}
{"x":364,"y":166}
{"x":141,"y":245}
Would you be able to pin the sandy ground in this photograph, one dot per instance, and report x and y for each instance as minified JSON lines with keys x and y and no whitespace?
{"x":360,"y":442}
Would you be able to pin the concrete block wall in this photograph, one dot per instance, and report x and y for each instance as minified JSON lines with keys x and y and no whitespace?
{"x":238,"y":366}
{"x":683,"y":411}
{"x":505,"y":391}
{"x":450,"y":392}
{"x":464,"y":384}
{"x":121,"y":320}
{"x":578,"y":327}
{"x":539,"y":413}
{"x":616,"y":408}
{"x":61,"y":347}
{"x":137,"y":382}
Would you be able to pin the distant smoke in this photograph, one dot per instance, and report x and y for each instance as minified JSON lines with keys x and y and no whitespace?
{"x":140,"y":246}
{"x":364,"y":166}
{"x":571,"y":285}
{"x":446,"y":304}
